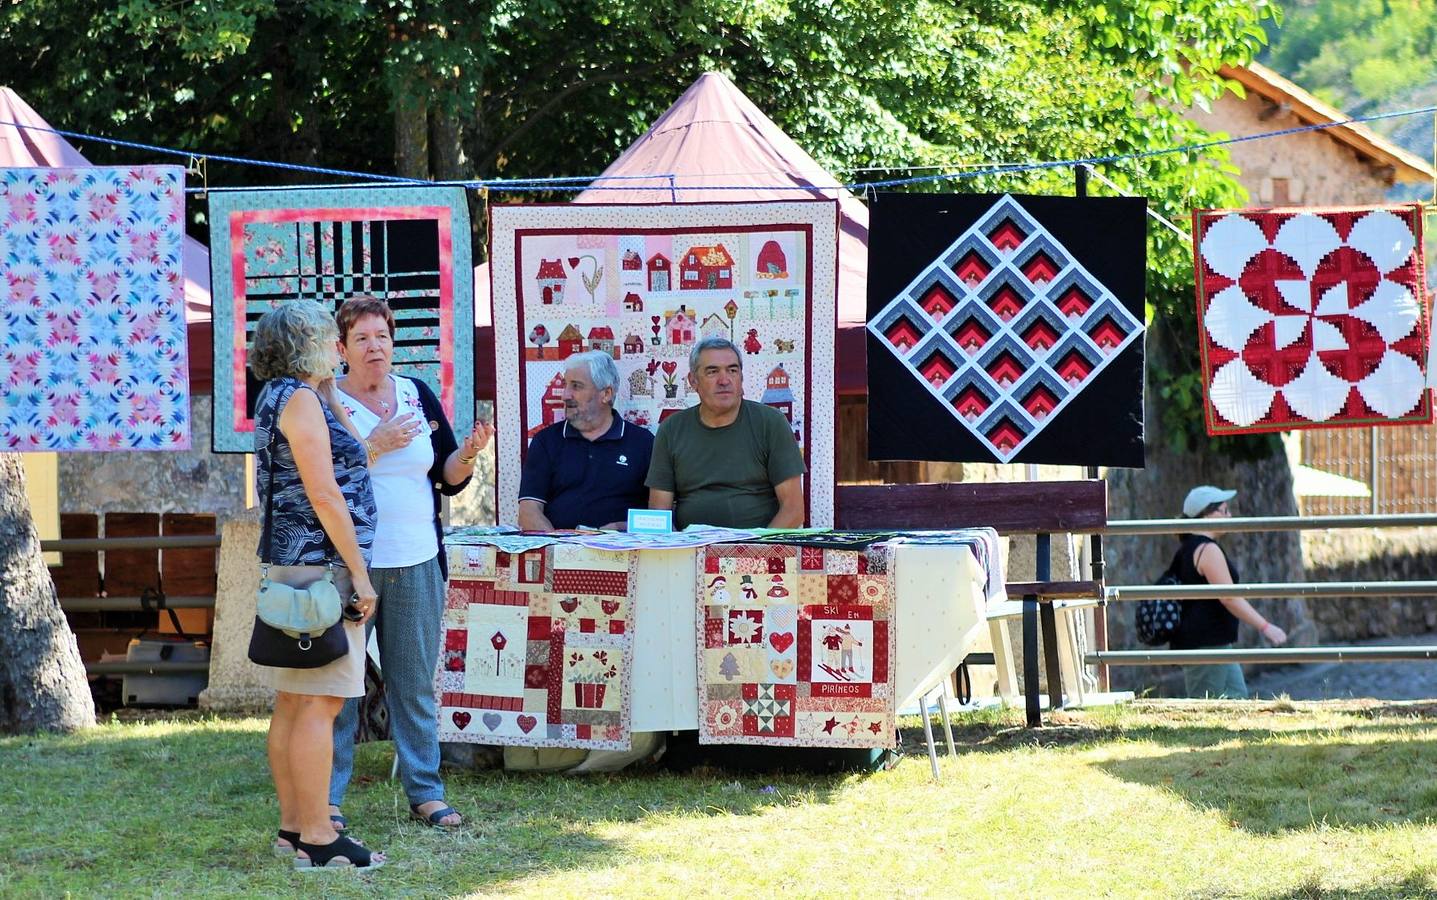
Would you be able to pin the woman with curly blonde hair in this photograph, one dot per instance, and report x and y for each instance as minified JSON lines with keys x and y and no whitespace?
{"x":313,"y":483}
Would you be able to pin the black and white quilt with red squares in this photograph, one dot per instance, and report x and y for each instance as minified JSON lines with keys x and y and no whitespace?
{"x":1006,"y":328}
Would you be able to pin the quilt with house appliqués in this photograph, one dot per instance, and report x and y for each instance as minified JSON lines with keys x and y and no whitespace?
{"x":644,"y":283}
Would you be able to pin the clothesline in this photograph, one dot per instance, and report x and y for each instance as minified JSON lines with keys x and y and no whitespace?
{"x":669,"y":180}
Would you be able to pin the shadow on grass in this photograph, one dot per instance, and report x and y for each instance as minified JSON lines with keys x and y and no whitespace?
{"x":1417,"y":884}
{"x":188,"y":809}
{"x":1271,"y":785}
{"x":986,"y":734}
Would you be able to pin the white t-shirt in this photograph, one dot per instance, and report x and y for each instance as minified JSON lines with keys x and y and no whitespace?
{"x":404,"y":534}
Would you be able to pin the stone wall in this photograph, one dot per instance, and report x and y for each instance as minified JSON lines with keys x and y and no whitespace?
{"x":1306,"y":169}
{"x":186,"y":481}
{"x":198,"y":481}
{"x":476,"y":505}
{"x":1407,"y":554}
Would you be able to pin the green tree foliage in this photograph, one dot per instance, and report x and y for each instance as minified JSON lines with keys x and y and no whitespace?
{"x":560,"y":87}
{"x":1364,"y":56}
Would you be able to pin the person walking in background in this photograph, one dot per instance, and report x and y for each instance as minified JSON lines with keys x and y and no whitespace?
{"x":1212,"y":624}
{"x":414,"y":458}
{"x":312,"y":481}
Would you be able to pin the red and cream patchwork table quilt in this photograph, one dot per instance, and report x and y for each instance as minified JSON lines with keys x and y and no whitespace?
{"x":538,"y":647}
{"x":796,"y":647}
{"x":1312,"y":318}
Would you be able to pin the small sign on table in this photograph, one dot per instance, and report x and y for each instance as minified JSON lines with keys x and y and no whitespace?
{"x":651,"y":521}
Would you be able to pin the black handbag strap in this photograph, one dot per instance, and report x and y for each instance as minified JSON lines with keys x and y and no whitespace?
{"x":268,"y":555}
{"x":267,"y":559}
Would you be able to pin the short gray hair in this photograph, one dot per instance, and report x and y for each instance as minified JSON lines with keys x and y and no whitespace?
{"x":602,"y":371}
{"x":295,"y":339}
{"x":713,"y":342}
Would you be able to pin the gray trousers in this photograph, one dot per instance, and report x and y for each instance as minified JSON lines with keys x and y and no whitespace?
{"x":411,"y":608}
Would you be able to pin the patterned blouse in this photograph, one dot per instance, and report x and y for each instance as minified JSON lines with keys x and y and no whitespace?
{"x":299,"y":538}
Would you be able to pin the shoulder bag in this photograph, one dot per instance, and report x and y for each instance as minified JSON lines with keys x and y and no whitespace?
{"x":294,"y":627}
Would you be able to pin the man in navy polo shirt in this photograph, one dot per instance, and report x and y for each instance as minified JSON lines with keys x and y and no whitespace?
{"x":589,"y":469}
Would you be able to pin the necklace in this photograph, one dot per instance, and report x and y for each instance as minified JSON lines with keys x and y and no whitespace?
{"x":375,"y":400}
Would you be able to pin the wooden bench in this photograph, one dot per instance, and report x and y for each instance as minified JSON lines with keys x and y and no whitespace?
{"x":149,"y":574}
{"x":1040,"y":508}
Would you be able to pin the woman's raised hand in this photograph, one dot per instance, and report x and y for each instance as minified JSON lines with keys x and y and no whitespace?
{"x":394,"y":434}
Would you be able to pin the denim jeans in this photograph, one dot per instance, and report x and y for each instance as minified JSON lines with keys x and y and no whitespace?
{"x":1224,"y":680}
{"x":411,"y":607}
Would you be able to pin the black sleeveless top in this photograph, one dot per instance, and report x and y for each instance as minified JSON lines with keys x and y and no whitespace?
{"x":1205,"y":623}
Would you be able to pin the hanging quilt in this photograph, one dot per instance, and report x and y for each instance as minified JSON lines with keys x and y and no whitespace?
{"x":408,"y":246}
{"x":796,"y":647}
{"x":538,"y":647}
{"x":643,"y":284}
{"x":1311,"y":318}
{"x":1006,"y":328}
{"x":92,"y":322}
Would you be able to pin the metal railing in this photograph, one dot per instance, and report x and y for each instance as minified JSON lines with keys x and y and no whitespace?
{"x":157,"y":542}
{"x":1268,"y":523}
{"x":134,"y":604}
{"x":127,"y":667}
{"x":1270,"y":655}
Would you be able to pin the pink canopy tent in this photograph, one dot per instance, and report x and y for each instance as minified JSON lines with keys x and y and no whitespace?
{"x":713,"y":136}
{"x":30,"y":148}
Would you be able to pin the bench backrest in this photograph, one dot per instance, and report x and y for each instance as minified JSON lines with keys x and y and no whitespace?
{"x":1012,"y":507}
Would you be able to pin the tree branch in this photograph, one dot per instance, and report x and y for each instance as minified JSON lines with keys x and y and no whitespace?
{"x":554,"y":102}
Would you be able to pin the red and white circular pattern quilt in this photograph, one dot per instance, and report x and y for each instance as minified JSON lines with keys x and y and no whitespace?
{"x":1312,"y":317}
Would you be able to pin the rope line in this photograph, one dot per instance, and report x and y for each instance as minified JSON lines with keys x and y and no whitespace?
{"x":669,"y":180}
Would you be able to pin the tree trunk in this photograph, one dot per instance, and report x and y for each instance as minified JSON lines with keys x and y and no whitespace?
{"x":446,"y":146}
{"x":1264,"y":488}
{"x":42,"y":680}
{"x":411,"y":135}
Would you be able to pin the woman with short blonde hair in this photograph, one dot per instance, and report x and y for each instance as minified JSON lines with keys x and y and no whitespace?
{"x":415,"y":459}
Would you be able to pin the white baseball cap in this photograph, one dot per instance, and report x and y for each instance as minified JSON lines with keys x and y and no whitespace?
{"x":1202,"y":496}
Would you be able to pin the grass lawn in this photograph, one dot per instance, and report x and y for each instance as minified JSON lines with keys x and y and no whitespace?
{"x":1155,"y":799}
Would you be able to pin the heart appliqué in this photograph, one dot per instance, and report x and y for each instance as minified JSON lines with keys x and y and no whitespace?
{"x":573,"y":262}
{"x":782,"y":668}
{"x":780,"y":640}
{"x":462,"y":720}
{"x":527,"y":723}
{"x":492,"y":720}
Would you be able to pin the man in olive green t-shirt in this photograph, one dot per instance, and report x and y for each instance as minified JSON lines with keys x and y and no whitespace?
{"x":728,"y":461}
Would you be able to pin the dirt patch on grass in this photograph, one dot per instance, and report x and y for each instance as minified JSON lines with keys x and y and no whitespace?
{"x":1059,"y":729}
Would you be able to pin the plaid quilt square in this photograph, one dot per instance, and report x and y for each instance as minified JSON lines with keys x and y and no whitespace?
{"x":406,"y":246}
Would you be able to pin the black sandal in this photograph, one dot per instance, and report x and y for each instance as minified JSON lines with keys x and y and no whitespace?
{"x":436,"y":818}
{"x":279,"y":850}
{"x":341,"y":853}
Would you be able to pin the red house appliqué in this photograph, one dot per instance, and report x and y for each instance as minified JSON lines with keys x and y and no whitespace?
{"x":551,"y":281}
{"x":660,"y":273}
{"x":552,"y":403}
{"x":706,"y":268}
{"x":771,"y":261}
